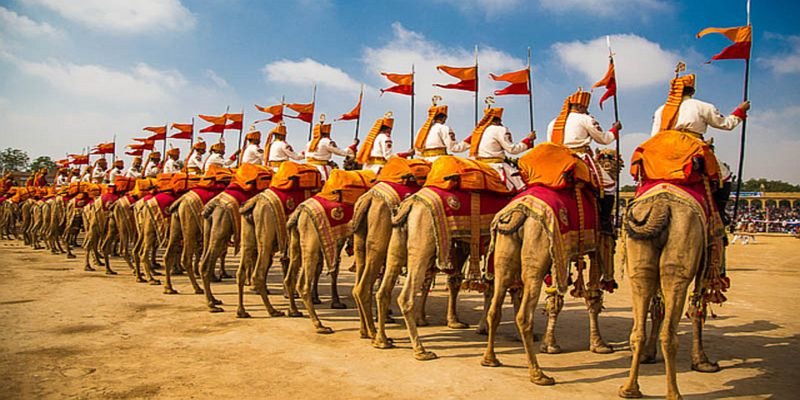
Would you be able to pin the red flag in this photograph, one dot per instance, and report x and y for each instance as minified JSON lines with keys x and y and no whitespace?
{"x":185,"y":131}
{"x":236,"y":121}
{"x":217,"y":123}
{"x":276,"y":111}
{"x":103,"y":148}
{"x":609,"y":81}
{"x":354,"y":113}
{"x":742,"y":38}
{"x":305,"y":112}
{"x":145,"y":145}
{"x":62,"y":163}
{"x":135,"y":152}
{"x":159,"y":132}
{"x":79,"y":159}
{"x":518,"y":82}
{"x":468,"y":78}
{"x":404,"y":83}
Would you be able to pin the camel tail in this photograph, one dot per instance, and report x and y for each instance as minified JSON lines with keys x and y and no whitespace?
{"x":248,"y":206}
{"x":209,"y":208}
{"x":173,"y":208}
{"x":655,"y":219}
{"x":400,"y":217}
{"x":360,"y":212}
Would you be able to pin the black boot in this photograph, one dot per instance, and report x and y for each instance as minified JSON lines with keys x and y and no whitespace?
{"x":606,"y":208}
{"x":721,"y":197}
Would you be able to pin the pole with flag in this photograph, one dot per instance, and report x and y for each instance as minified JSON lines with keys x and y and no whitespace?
{"x":519,"y":83}
{"x":355,"y":113}
{"x":412,"y":105}
{"x":742,"y":38}
{"x":360,"y":99}
{"x":530,"y":93}
{"x":313,"y":105}
{"x":114,"y":154}
{"x":476,"y":85}
{"x":609,"y":81}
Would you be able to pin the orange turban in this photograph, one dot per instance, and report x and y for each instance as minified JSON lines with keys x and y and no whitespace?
{"x":363,"y":154}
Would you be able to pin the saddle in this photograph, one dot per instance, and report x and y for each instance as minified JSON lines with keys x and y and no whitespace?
{"x":347,"y":186}
{"x":451,"y":173}
{"x":404,"y":171}
{"x":251,"y":177}
{"x":554,"y":166}
{"x":674,"y":156}
{"x":292,"y":175}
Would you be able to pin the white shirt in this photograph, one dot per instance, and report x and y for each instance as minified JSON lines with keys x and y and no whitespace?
{"x":62,"y":180}
{"x":112,"y":175}
{"x":86,"y":178}
{"x":580,"y":130}
{"x":441,"y":136}
{"x":152,"y":170}
{"x":171,"y":166}
{"x":134,"y":172}
{"x":381,"y":147}
{"x":695,"y":116}
{"x":279,"y":150}
{"x":496,"y":141}
{"x":98,"y":174}
{"x":74,"y":178}
{"x":217,"y":159}
{"x":326,"y":148}
{"x":195,"y":163}
{"x":253,"y":155}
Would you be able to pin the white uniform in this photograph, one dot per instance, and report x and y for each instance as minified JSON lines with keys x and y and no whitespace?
{"x":98,"y":175}
{"x":442,"y":137}
{"x":134,"y":172}
{"x":253,"y":155}
{"x":74,"y":178}
{"x":579,"y":132}
{"x":495,"y":143}
{"x":381,"y":149}
{"x":112,"y":175}
{"x":171,"y":166}
{"x":326,"y":148}
{"x":217,"y":159}
{"x":195,"y":163}
{"x":280,"y":151}
{"x":152,"y":171}
{"x":62,"y":180}
{"x":696,"y":116}
{"x":86,"y":178}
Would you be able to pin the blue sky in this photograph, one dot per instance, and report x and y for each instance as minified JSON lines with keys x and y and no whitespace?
{"x":75,"y":73}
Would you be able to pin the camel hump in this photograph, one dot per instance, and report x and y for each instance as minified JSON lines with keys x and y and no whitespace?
{"x":401,"y":216}
{"x":647,"y":219}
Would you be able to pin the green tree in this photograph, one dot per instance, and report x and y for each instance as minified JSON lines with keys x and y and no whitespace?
{"x":42,"y":162}
{"x":13,"y":159}
{"x":768,"y":185}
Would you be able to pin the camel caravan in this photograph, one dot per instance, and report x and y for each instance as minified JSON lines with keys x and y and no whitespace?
{"x":511,"y":218}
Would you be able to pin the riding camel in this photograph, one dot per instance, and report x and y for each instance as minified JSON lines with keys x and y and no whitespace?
{"x":95,"y":218}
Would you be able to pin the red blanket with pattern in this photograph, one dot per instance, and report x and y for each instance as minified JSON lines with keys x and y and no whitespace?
{"x":565,"y":205}
{"x":283,"y":203}
{"x":331,"y":220}
{"x":696,"y":190}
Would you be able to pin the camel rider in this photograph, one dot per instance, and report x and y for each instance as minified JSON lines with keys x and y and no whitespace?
{"x":216,"y":156}
{"x":252,"y":153}
{"x":684,"y":113}
{"x":436,"y":139}
{"x":194,"y":163}
{"x":377,"y":147}
{"x":62,"y":179}
{"x":171,"y":163}
{"x":75,"y":175}
{"x":135,"y":171}
{"x":278,"y":150}
{"x":321,"y":149}
{"x":41,"y":178}
{"x":117,"y":170}
{"x":151,"y":166}
{"x":99,"y":171}
{"x":576,"y":129}
{"x":490,"y":141}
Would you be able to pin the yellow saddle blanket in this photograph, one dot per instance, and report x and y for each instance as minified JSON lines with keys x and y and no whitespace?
{"x":347,"y":186}
{"x":399,"y":170}
{"x":450,"y":173}
{"x":668,"y":156}
{"x":554,"y":166}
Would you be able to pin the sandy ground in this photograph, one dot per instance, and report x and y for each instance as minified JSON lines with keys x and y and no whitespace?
{"x":69,"y":333}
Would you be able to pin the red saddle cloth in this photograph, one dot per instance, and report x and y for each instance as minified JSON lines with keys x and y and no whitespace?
{"x":695,"y":190}
{"x":564,"y":204}
{"x":206,"y":193}
{"x":240,"y":195}
{"x":283,"y":202}
{"x":163,"y":200}
{"x":331,"y":220}
{"x":108,"y":199}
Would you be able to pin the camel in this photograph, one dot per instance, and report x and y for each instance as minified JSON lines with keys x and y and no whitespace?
{"x":36,"y":222}
{"x":54,"y":222}
{"x":73,"y":223}
{"x":7,"y":219}
{"x":146,"y":242}
{"x":95,"y":217}
{"x":121,"y":229}
{"x":26,"y":221}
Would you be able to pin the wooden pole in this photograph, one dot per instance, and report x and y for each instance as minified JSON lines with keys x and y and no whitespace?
{"x":530,"y":93}
{"x":477,"y":79}
{"x":617,"y":219}
{"x":412,"y":105}
{"x":313,"y":106}
{"x":360,"y":105}
{"x":742,"y":140}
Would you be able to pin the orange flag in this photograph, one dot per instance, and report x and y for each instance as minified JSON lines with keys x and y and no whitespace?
{"x":276,"y":111}
{"x":518,"y":82}
{"x":79,"y":159}
{"x":217,"y":123}
{"x":103,"y":148}
{"x":185,"y":131}
{"x":404,"y":83}
{"x":354,"y":113}
{"x":609,"y":81}
{"x":305,"y":112}
{"x":159,"y":132}
{"x":236,"y":121}
{"x":742,"y":38}
{"x":467,"y":75}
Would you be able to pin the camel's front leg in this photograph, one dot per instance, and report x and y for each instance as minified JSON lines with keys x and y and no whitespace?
{"x":594,"y":303}
{"x":494,"y":314}
{"x":292,"y":269}
{"x":553,"y":305}
{"x":312,"y":258}
{"x":532,"y":281}
{"x":336,"y":302}
{"x":420,"y":257}
{"x":656,"y":317}
{"x":396,"y":257}
{"x":700,"y":361}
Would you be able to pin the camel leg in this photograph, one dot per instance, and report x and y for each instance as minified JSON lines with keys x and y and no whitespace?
{"x":421,"y":314}
{"x":190,"y":256}
{"x":149,"y":251}
{"x":222,"y":273}
{"x":700,"y":361}
{"x":248,"y":254}
{"x":315,"y":282}
{"x":530,"y":297}
{"x":336,"y":302}
{"x":217,"y":245}
{"x":87,"y":266}
{"x":396,"y":258}
{"x":311,"y":262}
{"x":171,"y":256}
{"x":453,"y":287}
{"x":263,"y":264}
{"x":293,"y":268}
{"x":495,"y":310}
{"x":553,"y":305}
{"x":594,"y":303}
{"x":107,"y":244}
{"x":418,"y":262}
{"x":362,"y":287}
{"x":656,"y":317}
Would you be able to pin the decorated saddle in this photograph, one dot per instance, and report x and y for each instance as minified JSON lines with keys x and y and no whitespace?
{"x":399,"y":179}
{"x":451,"y":172}
{"x":685,"y":172}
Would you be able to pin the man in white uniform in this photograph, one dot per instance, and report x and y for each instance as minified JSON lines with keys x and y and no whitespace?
{"x":135,"y":171}
{"x":116,"y":170}
{"x":216,"y":157}
{"x":435,"y":139}
{"x":278,"y":151}
{"x":377,"y":147}
{"x":75,"y":175}
{"x":194,"y":163}
{"x":152,"y":167}
{"x":321,"y":149}
{"x":491,"y":141}
{"x":252,"y":153}
{"x":62,"y":178}
{"x":99,"y":171}
{"x":171,"y":163}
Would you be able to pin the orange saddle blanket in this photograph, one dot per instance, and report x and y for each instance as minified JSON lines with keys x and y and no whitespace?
{"x":451,"y":173}
{"x":668,"y":156}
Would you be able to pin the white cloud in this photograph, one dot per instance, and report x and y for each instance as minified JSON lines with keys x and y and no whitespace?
{"x":142,"y":84}
{"x":638,"y":61}
{"x":308,"y":71}
{"x":218,"y":80}
{"x":604,"y":8}
{"x":15,"y":24}
{"x":123,"y":16}
{"x":488,"y":7}
{"x":786,"y":63}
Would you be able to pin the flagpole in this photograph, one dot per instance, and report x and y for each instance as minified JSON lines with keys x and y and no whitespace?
{"x":114,"y":154}
{"x":313,"y":106}
{"x":477,"y":78}
{"x":191,"y":138}
{"x":360,"y":104}
{"x":241,"y":128}
{"x":412,"y":105}
{"x":617,"y":219}
{"x":743,"y":135}
{"x":530,"y":93}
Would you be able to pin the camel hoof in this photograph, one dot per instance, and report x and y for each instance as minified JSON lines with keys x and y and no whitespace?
{"x":601,"y":349}
{"x":457,"y":325}
{"x":542,"y":380}
{"x":88,"y":268}
{"x":491,"y":362}
{"x":216,"y":302}
{"x":199,"y":291}
{"x":154,"y":282}
{"x":338,"y":305}
{"x":383,"y":344}
{"x":71,"y":256}
{"x":215,"y":279}
{"x":706,"y":367}
{"x":316,"y":301}
{"x":423,"y":322}
{"x":170,"y":291}
{"x":550,"y":349}
{"x":139,"y":279}
{"x":295,"y":314}
{"x":629,"y":393}
{"x":276,"y":313}
{"x":215,"y":309}
{"x":425,"y":356}
{"x":324,"y":330}
{"x":482,"y":330}
{"x":648,"y":359}
{"x":241,"y":313}
{"x":110,"y":272}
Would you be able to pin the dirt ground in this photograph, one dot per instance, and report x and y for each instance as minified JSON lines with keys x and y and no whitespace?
{"x":66,"y":333}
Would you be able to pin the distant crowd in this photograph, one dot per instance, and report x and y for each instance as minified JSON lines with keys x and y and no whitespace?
{"x":773,"y":219}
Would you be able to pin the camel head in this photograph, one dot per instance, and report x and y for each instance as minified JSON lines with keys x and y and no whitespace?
{"x":610,"y":161}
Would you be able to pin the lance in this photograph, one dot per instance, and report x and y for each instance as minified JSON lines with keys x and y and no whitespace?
{"x":476,"y":85}
{"x":617,"y":219}
{"x":241,"y":128}
{"x":743,"y":136}
{"x":412,"y":105}
{"x":360,"y":105}
{"x":313,"y":105}
{"x":114,"y":154}
{"x":530,"y":94}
